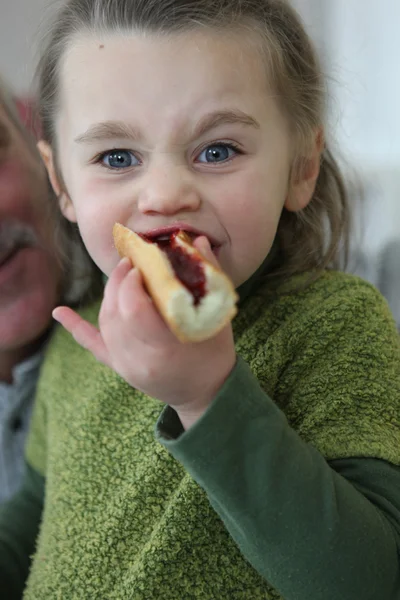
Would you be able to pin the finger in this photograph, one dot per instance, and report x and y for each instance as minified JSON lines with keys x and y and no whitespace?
{"x":110,"y":301}
{"x":136,"y":306}
{"x":83,"y":332}
{"x":132,"y":297}
{"x":202,"y":244}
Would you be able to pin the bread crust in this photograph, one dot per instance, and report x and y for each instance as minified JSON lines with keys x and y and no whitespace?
{"x":188,"y":322}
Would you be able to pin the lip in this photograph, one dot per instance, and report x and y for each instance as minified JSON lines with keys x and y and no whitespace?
{"x":168,"y":230}
{"x":10,"y":266}
{"x":8,"y":255}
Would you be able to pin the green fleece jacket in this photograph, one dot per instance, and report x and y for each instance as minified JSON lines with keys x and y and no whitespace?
{"x":247,"y":504}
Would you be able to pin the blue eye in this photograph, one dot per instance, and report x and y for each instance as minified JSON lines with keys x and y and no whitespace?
{"x":119,"y":159}
{"x":217,"y":153}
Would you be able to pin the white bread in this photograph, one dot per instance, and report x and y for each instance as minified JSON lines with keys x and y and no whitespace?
{"x":189,"y":322}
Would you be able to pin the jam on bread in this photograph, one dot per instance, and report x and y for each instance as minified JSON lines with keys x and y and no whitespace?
{"x":187,"y":267}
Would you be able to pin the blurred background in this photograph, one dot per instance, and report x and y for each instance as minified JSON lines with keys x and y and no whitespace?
{"x":359,"y":45}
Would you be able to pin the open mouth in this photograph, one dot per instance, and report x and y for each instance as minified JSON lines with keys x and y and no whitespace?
{"x":166,"y":238}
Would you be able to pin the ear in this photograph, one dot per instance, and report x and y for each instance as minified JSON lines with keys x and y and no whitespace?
{"x":66,"y":206}
{"x":303,"y":185}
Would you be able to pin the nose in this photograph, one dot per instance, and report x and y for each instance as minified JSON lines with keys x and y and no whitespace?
{"x":168,"y":189}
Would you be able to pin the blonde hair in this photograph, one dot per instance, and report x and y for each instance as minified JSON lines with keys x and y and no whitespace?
{"x":314,"y":238}
{"x":81,"y":280}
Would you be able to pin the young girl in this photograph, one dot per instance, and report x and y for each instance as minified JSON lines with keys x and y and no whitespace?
{"x":274,"y":471}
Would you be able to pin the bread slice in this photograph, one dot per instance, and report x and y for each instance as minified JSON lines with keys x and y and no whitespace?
{"x":189,"y":319}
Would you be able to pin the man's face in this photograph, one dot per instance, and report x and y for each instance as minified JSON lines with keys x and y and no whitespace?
{"x":29,"y":275}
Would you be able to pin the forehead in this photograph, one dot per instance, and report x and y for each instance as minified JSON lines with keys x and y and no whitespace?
{"x":148,"y":73}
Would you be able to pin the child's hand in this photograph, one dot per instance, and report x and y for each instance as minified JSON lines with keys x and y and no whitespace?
{"x":134,"y":341}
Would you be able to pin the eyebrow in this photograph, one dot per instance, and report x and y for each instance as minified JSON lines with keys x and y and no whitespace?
{"x":107,"y":130}
{"x":225,"y":117}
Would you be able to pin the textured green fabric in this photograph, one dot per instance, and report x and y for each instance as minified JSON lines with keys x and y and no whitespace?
{"x":377,"y":481}
{"x":122,"y":518}
{"x":312,"y":529}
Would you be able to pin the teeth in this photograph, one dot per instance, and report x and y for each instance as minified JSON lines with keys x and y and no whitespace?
{"x":167,"y":236}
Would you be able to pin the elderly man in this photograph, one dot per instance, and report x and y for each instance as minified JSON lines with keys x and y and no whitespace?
{"x":30,"y":286}
{"x":34,"y":277}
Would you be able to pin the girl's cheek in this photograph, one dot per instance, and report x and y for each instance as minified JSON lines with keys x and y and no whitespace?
{"x":89,"y":188}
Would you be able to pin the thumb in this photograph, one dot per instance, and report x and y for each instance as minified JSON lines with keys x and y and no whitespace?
{"x":202,"y":244}
{"x":83,"y":332}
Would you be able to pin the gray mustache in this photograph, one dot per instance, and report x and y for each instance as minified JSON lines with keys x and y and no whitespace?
{"x":15,"y":234}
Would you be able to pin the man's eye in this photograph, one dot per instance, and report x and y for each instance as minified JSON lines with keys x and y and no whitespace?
{"x":119,"y":159}
{"x":217,"y":153}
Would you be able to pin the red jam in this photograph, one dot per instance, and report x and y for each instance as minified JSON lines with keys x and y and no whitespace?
{"x":187,"y":268}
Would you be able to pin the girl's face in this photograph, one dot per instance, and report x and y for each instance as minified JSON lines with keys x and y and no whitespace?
{"x":160,"y":132}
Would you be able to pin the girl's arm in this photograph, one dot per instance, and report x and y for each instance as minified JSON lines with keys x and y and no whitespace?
{"x":313,"y":529}
{"x":19,"y":526}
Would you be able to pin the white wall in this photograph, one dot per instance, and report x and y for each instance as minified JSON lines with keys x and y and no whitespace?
{"x":360,"y":47}
{"x":19,"y":22}
{"x":363,"y":46}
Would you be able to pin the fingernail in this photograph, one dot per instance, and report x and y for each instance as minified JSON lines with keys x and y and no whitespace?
{"x":54,"y":315}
